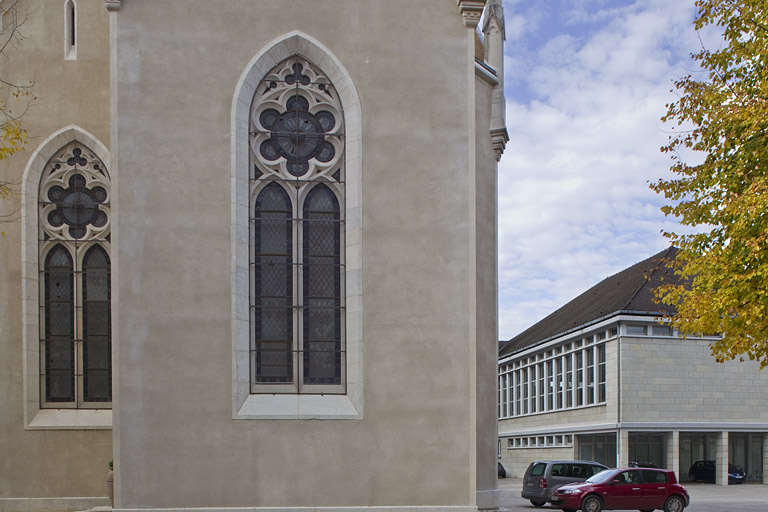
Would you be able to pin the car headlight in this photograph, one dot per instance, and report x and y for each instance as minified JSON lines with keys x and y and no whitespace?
{"x":568,"y":491}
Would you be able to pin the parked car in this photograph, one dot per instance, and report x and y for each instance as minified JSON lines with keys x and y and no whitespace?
{"x":502,"y":471}
{"x":544,"y":476}
{"x":643,"y":489}
{"x":705,"y":471}
{"x":634,"y":464}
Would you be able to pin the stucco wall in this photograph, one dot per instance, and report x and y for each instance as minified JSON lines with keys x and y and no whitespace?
{"x":178,"y":63}
{"x":47,"y":463}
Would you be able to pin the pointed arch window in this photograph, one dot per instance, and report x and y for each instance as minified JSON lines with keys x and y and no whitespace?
{"x":297,"y":195}
{"x":74,"y":244}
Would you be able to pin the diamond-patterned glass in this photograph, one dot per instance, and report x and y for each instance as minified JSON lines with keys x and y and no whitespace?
{"x":97,"y":330}
{"x":58,"y":345}
{"x":273,"y":286}
{"x":321,"y":272}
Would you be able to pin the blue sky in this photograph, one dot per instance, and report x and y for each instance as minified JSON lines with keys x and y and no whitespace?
{"x":586,"y":83}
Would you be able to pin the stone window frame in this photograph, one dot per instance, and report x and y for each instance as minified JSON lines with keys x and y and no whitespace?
{"x":35,"y":416}
{"x":247,"y":405}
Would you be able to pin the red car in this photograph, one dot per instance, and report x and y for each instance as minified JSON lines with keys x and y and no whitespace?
{"x":641,"y":489}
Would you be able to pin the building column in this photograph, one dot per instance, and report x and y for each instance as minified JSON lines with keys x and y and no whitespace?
{"x":622,"y":455}
{"x":673,"y":452}
{"x":765,"y":458}
{"x":721,"y":459}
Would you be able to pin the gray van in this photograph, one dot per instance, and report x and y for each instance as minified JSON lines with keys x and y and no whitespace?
{"x":543,"y":477}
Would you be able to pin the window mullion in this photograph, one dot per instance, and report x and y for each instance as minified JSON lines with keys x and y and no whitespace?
{"x":77,"y":300}
{"x":298,"y":295}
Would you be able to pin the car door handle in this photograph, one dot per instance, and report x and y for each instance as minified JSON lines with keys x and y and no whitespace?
{"x":635,"y":488}
{"x":661,"y":488}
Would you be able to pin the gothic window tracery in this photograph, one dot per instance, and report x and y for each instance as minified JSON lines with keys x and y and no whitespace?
{"x":74,"y":246}
{"x":297,"y":194}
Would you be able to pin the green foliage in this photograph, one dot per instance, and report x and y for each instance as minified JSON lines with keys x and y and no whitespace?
{"x":724,"y":199}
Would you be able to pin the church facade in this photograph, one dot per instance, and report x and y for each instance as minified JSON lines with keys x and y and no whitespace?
{"x":251,"y":255}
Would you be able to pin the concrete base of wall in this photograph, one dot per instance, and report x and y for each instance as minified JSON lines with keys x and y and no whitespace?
{"x":51,"y":504}
{"x":488,"y":500}
{"x":304,"y":509}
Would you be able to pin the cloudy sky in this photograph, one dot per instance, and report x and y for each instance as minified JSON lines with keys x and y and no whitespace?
{"x":586,"y":83}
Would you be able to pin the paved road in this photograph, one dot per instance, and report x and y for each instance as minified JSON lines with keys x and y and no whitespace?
{"x":704,"y":498}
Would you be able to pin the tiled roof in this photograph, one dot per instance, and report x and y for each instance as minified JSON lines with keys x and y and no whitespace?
{"x":629,"y":290}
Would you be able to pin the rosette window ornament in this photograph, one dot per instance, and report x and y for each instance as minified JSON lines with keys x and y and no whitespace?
{"x":74,"y":196}
{"x":296,"y":125}
{"x":297,"y":135}
{"x":77,"y":206}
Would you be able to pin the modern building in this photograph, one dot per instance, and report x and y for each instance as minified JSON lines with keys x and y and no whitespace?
{"x":251,"y":255}
{"x":604,"y":378}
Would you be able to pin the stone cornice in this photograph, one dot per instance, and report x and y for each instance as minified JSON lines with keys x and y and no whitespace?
{"x":112,"y":5}
{"x":499,"y":139}
{"x":471,"y":10}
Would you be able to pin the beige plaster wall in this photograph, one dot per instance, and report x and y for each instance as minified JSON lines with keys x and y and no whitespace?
{"x":49,"y":463}
{"x":178,"y":63}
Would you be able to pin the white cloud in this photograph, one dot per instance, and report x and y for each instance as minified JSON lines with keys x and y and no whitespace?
{"x":586,"y":85}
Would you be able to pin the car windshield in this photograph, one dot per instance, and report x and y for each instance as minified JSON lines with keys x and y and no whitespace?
{"x":601,"y":477}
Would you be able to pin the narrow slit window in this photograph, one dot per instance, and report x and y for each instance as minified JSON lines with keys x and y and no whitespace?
{"x":70,"y":30}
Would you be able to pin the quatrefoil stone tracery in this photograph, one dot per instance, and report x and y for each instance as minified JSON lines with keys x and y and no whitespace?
{"x":297,"y":135}
{"x":74,"y":197}
{"x":296,"y":123}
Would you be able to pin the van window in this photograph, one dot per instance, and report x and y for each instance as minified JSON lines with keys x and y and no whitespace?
{"x":559,"y":470}
{"x":580,"y":471}
{"x":596,"y":469}
{"x":538,"y":469}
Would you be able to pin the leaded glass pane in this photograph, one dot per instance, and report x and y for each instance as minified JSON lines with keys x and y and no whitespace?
{"x":97,"y":346}
{"x":273,"y":286}
{"x":322,"y":279}
{"x":59,"y":346}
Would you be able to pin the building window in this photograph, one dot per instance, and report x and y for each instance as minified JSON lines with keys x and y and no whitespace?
{"x":568,"y":362}
{"x":567,"y":377}
{"x":579,"y":378}
{"x":591,"y":375}
{"x":74,"y":281}
{"x":636,"y":330}
{"x":297,"y":191}
{"x":661,"y":330}
{"x":601,"y":373}
{"x":70,"y":30}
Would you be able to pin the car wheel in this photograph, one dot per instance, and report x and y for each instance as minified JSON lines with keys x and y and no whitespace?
{"x":538,"y":503}
{"x":592,"y":503}
{"x":674,"y":504}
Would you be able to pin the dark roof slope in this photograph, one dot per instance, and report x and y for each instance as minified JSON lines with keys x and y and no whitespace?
{"x":629,"y":290}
